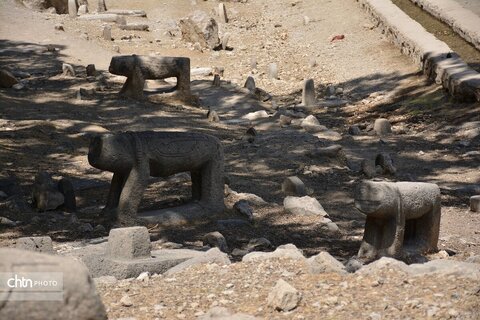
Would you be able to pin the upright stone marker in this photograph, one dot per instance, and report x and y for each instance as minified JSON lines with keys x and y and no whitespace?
{"x":107,"y":32}
{"x":308,"y":94}
{"x":72,"y":8}
{"x":273,"y":71}
{"x":250,"y":84}
{"x":101,"y":6}
{"x":216,"y":80}
{"x":128,"y":243}
{"x":222,"y":13}
{"x":475,"y":203}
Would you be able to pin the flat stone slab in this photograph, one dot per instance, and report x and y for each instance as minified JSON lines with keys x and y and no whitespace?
{"x":101,"y":265}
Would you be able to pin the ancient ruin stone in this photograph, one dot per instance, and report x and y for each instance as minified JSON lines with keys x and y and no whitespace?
{"x":222,"y":13}
{"x":308,"y":93}
{"x":225,"y":39}
{"x":216,"y":80}
{"x":212,"y":116}
{"x":200,"y":28}
{"x":293,"y":186}
{"x":39,"y":244}
{"x":250,"y":84}
{"x":65,"y":187}
{"x":216,"y":239}
{"x":325,"y":263}
{"x":76,"y":297}
{"x":91,"y":71}
{"x":311,"y":124}
{"x":135,"y":156}
{"x":59,"y":27}
{"x":287,"y":251}
{"x":386,"y":163}
{"x":273,"y":71}
{"x":382,"y":127}
{"x":354,"y":131}
{"x":128,"y":243}
{"x":475,"y":203}
{"x":283,"y":297}
{"x":82,"y":9}
{"x":72,"y":8}
{"x":303,"y":206}
{"x":403,"y":218}
{"x":101,"y":7}
{"x":45,"y":195}
{"x":368,"y":168}
{"x":213,"y":255}
{"x":67,"y":70}
{"x":7,"y":80}
{"x":107,"y":32}
{"x":244,"y":208}
{"x":259,"y":244}
{"x":137,"y":69}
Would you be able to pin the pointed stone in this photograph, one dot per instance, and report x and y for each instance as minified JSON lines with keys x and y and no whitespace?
{"x":308,"y":94}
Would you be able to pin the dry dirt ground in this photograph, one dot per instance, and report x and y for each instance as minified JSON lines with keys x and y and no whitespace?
{"x":46,"y":127}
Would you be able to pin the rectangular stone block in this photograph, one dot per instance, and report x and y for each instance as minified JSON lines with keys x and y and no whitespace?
{"x":128,"y":243}
{"x":39,"y":244}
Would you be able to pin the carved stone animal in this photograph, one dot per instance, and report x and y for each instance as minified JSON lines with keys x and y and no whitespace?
{"x":403,"y":218}
{"x":135,"y":156}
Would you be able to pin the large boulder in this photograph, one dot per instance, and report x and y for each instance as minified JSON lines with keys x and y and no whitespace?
{"x":200,"y":28}
{"x":73,"y":298}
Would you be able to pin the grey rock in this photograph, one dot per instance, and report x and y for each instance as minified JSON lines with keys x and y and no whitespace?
{"x":386,"y":163}
{"x":383,"y":263}
{"x":85,"y":228}
{"x":353,"y":264}
{"x":82,"y":9}
{"x":72,"y":8}
{"x":288,"y":251}
{"x":211,"y":256}
{"x":216,"y":239}
{"x":303,"y":206}
{"x":91,"y":71}
{"x":354,"y":131}
{"x":212,"y":116}
{"x":244,"y":208}
{"x":7,"y":222}
{"x":67,"y":70}
{"x":259,"y":244}
{"x":382,"y":127}
{"x":293,"y":186}
{"x":308,"y":93}
{"x":7,"y":80}
{"x":107,"y":32}
{"x":200,"y":28}
{"x":283,"y":297}
{"x":250,"y":84}
{"x":475,"y":203}
{"x":221,"y":313}
{"x":77,"y":299}
{"x":39,"y":244}
{"x":311,"y":124}
{"x":325,"y":263}
{"x":129,"y":243}
{"x":45,"y":195}
{"x":273,"y":71}
{"x":65,"y":187}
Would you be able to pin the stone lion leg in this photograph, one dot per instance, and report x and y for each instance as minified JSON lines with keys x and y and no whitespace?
{"x":427,"y":230}
{"x":371,"y":239}
{"x":132,"y":193}
{"x":394,"y":232}
{"x":212,"y":184}
{"x":118,"y":181}
{"x":133,"y":87}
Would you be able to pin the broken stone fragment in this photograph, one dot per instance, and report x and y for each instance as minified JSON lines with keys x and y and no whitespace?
{"x":382,"y":127}
{"x":216,"y":239}
{"x":283,"y":297}
{"x":303,"y":206}
{"x":293,"y":186}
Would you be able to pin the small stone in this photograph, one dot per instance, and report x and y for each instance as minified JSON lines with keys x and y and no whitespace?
{"x":303,"y":206}
{"x":216,"y":80}
{"x":85,"y":227}
{"x":59,"y":27}
{"x":368,"y":168}
{"x":283,"y":297}
{"x":308,"y":93}
{"x":285,"y":120}
{"x":475,"y":203}
{"x":216,"y":239}
{"x":259,"y":244}
{"x":353,"y":264}
{"x":144,"y":276}
{"x":306,"y":20}
{"x":213,"y":116}
{"x":250,"y":84}
{"x":330,"y":90}
{"x":354,"y":131}
{"x":325,"y":263}
{"x":293,"y":186}
{"x":39,"y":244}
{"x":225,"y":39}
{"x":7,"y":222}
{"x":83,"y":9}
{"x":116,"y":49}
{"x":262,"y":114}
{"x":68,"y":70}
{"x":7,"y":80}
{"x":91,"y":71}
{"x":382,"y":127}
{"x":84,"y":36}
{"x":244,"y":208}
{"x":126,"y":301}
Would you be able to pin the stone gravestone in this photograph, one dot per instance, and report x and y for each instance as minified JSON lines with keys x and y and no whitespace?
{"x":273,"y":71}
{"x":222,"y":12}
{"x":101,"y":7}
{"x":135,"y":156}
{"x":250,"y":84}
{"x":72,"y":8}
{"x":107,"y":32}
{"x":308,"y":93}
{"x":403,"y":218}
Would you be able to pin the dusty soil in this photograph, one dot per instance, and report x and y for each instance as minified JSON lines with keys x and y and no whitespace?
{"x":46,"y":127}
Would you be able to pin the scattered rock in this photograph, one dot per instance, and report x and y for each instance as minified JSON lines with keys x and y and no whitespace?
{"x":65,"y":187}
{"x":7,"y":80}
{"x":288,"y":251}
{"x":259,"y":244}
{"x":332,"y":151}
{"x":212,"y":116}
{"x":45,"y":195}
{"x":216,"y":80}
{"x":325,"y":263}
{"x":262,"y":114}
{"x":216,"y":239}
{"x":293,"y":186}
{"x":386,"y":163}
{"x":382,"y":127}
{"x":283,"y":297}
{"x":353,"y":264}
{"x":303,"y":206}
{"x":244,"y":208}
{"x":83,"y":9}
{"x":200,"y":28}
{"x":354,"y":131}
{"x":211,"y":256}
{"x":91,"y":71}
{"x":67,"y":70}
{"x":59,"y":27}
{"x":475,"y":203}
{"x":126,"y":301}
